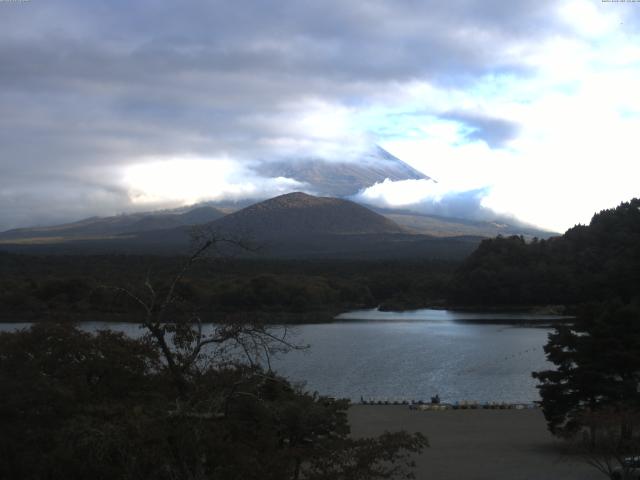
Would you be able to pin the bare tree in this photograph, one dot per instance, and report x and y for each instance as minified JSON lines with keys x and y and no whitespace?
{"x":177,"y":328}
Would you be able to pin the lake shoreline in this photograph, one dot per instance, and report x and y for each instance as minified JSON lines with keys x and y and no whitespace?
{"x":268,"y":318}
{"x":541,"y":318}
{"x":529,"y":317}
{"x":533,"y":309}
{"x":331,"y":315}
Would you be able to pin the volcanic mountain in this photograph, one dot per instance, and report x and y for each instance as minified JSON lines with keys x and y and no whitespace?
{"x":295,"y":225}
{"x":337,"y":178}
{"x":104,"y":227}
{"x":299,"y":215}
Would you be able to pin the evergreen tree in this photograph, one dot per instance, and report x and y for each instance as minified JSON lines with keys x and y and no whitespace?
{"x":598,"y":367}
{"x":597,"y":262}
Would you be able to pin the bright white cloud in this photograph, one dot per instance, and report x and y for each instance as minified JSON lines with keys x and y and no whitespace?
{"x":402,"y":193}
{"x":576,"y":151}
{"x":190,"y":180}
{"x":589,"y":18}
{"x":429,"y":197}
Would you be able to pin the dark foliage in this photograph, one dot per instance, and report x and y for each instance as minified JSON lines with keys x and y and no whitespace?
{"x":75,"y":405}
{"x":62,"y":288}
{"x":597,"y":262}
{"x":597,"y":368}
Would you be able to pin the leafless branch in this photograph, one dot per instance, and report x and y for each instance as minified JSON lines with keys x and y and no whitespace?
{"x":182,"y":341}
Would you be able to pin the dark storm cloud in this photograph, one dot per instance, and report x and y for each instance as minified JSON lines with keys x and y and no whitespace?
{"x":495,"y":132}
{"x":89,"y":86}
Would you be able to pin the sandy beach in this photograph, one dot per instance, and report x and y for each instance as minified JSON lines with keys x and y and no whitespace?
{"x":477,"y":444}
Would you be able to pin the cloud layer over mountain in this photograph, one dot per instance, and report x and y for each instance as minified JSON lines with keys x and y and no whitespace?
{"x":105,"y":102}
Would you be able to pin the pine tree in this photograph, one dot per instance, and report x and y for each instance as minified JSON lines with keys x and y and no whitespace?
{"x":597,"y":367}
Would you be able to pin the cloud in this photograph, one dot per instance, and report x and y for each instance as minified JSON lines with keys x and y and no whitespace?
{"x":39,"y":200}
{"x":495,"y":132}
{"x":428,"y":197}
{"x":191,"y":180}
{"x":90,"y":89}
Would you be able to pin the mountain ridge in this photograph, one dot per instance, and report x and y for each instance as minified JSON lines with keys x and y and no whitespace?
{"x":300,"y":214}
{"x":294,"y":226}
{"x":441,"y":226}
{"x":119,"y":224}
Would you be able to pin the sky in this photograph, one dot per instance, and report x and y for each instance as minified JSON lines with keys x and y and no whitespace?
{"x":530,"y":108}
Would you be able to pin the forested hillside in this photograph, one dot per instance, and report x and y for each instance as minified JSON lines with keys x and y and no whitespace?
{"x":81,"y":287}
{"x":596,"y":262}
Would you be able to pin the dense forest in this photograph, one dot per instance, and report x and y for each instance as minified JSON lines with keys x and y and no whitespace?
{"x":596,"y":262}
{"x":88,"y":287}
{"x":599,"y":261}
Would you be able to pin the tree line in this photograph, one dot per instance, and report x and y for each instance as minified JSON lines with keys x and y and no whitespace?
{"x":185,"y":400}
{"x":592,"y":395}
{"x":594,"y":262}
{"x":72,"y":287}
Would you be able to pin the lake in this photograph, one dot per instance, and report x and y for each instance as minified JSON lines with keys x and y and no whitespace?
{"x":412,"y":355}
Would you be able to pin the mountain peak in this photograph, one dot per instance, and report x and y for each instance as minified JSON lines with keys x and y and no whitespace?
{"x":341,"y":178}
{"x":298,"y":200}
{"x":297,"y":213}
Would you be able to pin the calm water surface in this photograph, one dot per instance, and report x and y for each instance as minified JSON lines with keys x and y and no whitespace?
{"x":414,"y":355}
{"x":411,"y":355}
